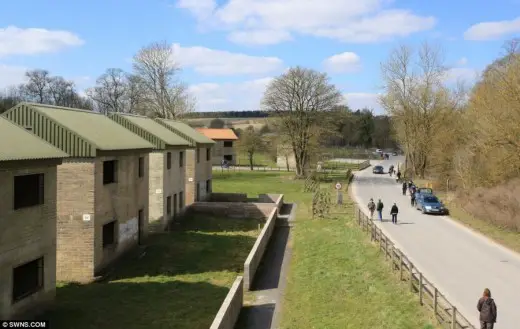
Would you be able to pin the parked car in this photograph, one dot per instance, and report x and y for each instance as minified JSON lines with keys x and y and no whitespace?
{"x":424,"y":190}
{"x":430,"y":204}
{"x":378,"y":170}
{"x":394,"y":153}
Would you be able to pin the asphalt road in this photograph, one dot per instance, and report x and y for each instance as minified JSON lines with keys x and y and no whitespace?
{"x":460,"y":262}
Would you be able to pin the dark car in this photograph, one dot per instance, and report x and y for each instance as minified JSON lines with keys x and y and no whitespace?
{"x":378,"y":170}
{"x":430,"y":204}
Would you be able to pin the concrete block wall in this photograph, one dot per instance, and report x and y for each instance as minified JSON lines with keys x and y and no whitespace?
{"x":232,"y":209}
{"x":218,"y":151}
{"x":197,"y":173}
{"x":26,"y":235}
{"x":120,"y":201}
{"x":227,"y":197}
{"x":229,"y":311}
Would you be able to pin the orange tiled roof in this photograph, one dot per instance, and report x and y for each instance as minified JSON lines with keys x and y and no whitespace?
{"x":218,"y":134}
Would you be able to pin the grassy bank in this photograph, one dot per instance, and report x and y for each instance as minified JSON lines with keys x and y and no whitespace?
{"x":337,"y":279}
{"x":180,"y":282}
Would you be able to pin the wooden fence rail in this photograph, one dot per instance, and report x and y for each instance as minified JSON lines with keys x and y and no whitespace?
{"x":429,"y":296}
{"x":340,"y":168}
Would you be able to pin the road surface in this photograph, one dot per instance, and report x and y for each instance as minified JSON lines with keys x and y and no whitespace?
{"x":460,"y":262}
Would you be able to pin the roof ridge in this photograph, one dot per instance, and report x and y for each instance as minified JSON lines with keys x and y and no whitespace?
{"x":64,"y":108}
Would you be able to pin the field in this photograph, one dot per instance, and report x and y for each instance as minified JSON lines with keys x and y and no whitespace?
{"x":180,"y":282}
{"x":337,"y":279}
{"x":237,"y":123}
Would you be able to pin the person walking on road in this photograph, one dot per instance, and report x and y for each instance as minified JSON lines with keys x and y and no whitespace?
{"x":371,"y":208}
{"x":398,"y":175}
{"x":488,"y":310}
{"x":412,"y":198}
{"x":394,"y":211}
{"x":405,"y":187}
{"x":379,"y":208}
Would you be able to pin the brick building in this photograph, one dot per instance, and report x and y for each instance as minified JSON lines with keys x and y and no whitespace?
{"x":223,"y":148}
{"x":102,"y":198}
{"x":167,"y":165}
{"x":27,"y":221}
{"x":198,"y":160}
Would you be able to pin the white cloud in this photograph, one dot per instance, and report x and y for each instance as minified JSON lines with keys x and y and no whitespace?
{"x":242,"y":96}
{"x":463,"y":61}
{"x":18,"y":41}
{"x":343,"y":63}
{"x":275,"y":21}
{"x":492,"y":30}
{"x":462,"y":74}
{"x":219,"y":62}
{"x":357,"y":101}
{"x":11,"y":75}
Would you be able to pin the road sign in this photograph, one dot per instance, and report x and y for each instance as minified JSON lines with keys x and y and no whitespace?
{"x":338,"y":186}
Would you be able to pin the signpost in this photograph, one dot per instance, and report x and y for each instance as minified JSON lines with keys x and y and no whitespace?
{"x":340,"y":194}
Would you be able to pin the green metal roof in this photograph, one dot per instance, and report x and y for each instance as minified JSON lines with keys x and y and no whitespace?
{"x":149,"y":129}
{"x":18,"y":144}
{"x":186,"y":132}
{"x":77,"y":132}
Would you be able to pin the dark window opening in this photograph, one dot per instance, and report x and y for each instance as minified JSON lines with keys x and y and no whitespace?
{"x":181,"y":200}
{"x":28,"y":128}
{"x":27,"y":279}
{"x":109,"y":234}
{"x":168,"y":160}
{"x":208,"y":154}
{"x":208,"y":186}
{"x":228,"y":144}
{"x":28,"y":190}
{"x":109,"y":172}
{"x":198,"y":155}
{"x":228,"y":157}
{"x":169,"y":205}
{"x":181,"y":159}
{"x":141,"y":166}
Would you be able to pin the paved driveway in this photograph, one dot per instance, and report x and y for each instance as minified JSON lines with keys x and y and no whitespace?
{"x":458,"y":261}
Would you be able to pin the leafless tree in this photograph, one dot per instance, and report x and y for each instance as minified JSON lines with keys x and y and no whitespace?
{"x":61,"y":92}
{"x":163,"y":94}
{"x":111,"y":92}
{"x":302,"y":98}
{"x":37,"y":87}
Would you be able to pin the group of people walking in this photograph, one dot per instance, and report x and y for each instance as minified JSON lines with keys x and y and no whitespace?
{"x":372,"y":207}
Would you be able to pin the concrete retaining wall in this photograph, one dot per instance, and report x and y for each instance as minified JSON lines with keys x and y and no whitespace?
{"x":229,"y":311}
{"x":364,"y":165}
{"x":232,"y":209}
{"x":255,"y":256}
{"x":227,"y":197}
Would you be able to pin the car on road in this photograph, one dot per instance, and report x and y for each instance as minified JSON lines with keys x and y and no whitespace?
{"x":378,"y":170}
{"x":430,"y":204}
{"x":394,"y":153}
{"x":424,"y":190}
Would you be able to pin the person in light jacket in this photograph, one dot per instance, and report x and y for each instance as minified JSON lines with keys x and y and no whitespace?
{"x":488,"y":310}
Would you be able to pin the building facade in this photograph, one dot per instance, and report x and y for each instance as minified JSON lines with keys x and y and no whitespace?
{"x":224,"y":148}
{"x":27,"y":221}
{"x":198,"y":160}
{"x":102,"y":187}
{"x":166,"y":165}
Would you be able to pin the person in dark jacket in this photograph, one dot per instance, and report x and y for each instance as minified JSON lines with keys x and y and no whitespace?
{"x":394,"y":211}
{"x":379,"y":209}
{"x":398,"y":175}
{"x":488,"y":310}
{"x":405,"y":187}
{"x":412,"y":198}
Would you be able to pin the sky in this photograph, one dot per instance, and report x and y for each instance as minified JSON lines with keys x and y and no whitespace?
{"x":229,"y":50}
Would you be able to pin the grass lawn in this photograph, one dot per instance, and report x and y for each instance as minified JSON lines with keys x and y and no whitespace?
{"x":337,"y":279}
{"x":259,"y":159}
{"x":179,"y":283}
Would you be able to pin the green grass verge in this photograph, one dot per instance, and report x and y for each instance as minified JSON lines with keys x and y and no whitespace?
{"x":259,"y":159}
{"x":179,"y":283}
{"x":337,"y":278}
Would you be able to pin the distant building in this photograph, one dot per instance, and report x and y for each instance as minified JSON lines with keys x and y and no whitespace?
{"x":102,"y":187}
{"x":27,"y":221}
{"x":167,"y":165}
{"x":224,"y":144}
{"x":198,"y":160}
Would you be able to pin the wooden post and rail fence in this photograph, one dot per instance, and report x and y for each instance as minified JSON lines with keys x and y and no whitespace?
{"x":429,"y":296}
{"x":339,"y":168}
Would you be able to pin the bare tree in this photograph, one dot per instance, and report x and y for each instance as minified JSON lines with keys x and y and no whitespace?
{"x":111,"y":91}
{"x":250,"y":143}
{"x":163,"y":94}
{"x":302,"y":98}
{"x":37,"y":87}
{"x":61,"y":92}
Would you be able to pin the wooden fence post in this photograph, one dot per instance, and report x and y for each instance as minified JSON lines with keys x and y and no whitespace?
{"x":400,"y":265}
{"x":435,"y":300}
{"x":454,"y":318}
{"x":420,"y":289}
{"x":411,"y":276}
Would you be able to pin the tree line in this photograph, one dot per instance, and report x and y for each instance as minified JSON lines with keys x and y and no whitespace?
{"x":152,"y":88}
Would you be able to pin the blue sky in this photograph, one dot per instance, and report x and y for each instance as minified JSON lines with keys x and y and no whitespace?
{"x":229,"y":50}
